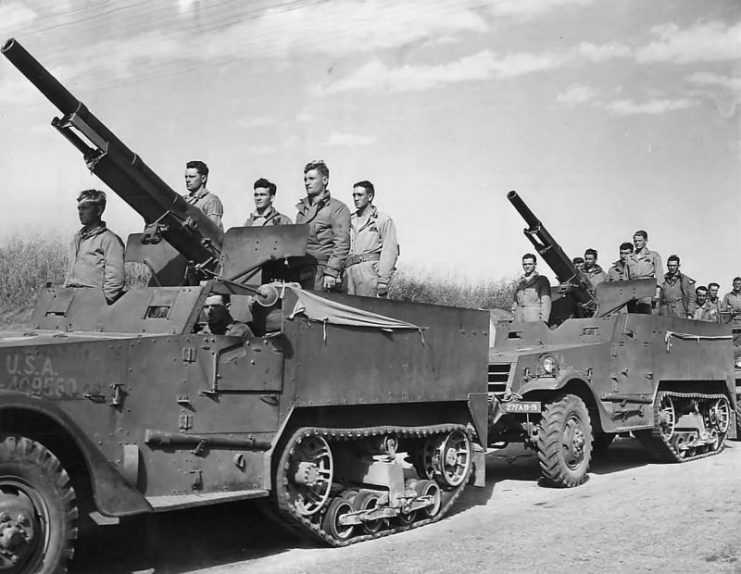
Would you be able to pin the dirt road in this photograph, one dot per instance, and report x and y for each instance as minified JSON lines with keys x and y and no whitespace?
{"x":631,"y":516}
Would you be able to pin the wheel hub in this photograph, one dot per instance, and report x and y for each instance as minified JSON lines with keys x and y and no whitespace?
{"x":17,"y":528}
{"x":307,"y":474}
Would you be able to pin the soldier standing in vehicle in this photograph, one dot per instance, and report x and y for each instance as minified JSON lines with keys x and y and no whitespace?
{"x":592,"y":270}
{"x":677,"y":292}
{"x":196,"y":177}
{"x":373,"y":246}
{"x":578,"y":264}
{"x":329,"y":231}
{"x":714,"y":304}
{"x":97,"y":254}
{"x":619,"y":270}
{"x":265,"y":213}
{"x":732,"y":303}
{"x":644,"y":264}
{"x":532,"y":294}
{"x":701,"y":304}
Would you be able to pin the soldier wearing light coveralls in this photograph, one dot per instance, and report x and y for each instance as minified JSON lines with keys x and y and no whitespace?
{"x":677,"y":292}
{"x":97,"y":254}
{"x":533,"y":293}
{"x":373,"y":246}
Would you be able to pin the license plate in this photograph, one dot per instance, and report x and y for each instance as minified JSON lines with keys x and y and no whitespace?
{"x":521,"y":407}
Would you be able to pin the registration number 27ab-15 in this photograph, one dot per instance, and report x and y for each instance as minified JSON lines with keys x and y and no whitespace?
{"x":521,"y":407}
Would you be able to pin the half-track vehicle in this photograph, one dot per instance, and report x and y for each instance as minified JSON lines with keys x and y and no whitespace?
{"x":356,"y":417}
{"x":567,"y":388}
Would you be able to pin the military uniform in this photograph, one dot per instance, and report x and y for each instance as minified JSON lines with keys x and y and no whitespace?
{"x":271,"y":217}
{"x":532,"y":299}
{"x":713,"y":310}
{"x":595,"y":274}
{"x":209,"y":204}
{"x":97,"y":260}
{"x":678,"y":296}
{"x":644,"y":264}
{"x":329,"y":240}
{"x":706,"y":312}
{"x":732,"y":303}
{"x":618,"y":271}
{"x":373,"y":252}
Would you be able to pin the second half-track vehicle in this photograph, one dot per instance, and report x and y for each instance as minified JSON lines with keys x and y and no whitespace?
{"x":567,"y":388}
{"x":356,"y":417}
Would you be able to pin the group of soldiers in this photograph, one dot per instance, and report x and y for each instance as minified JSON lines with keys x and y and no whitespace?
{"x":677,"y":294}
{"x":350,"y":252}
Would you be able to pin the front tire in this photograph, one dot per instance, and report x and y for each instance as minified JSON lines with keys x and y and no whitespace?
{"x":565,"y":442}
{"x":38,"y":513}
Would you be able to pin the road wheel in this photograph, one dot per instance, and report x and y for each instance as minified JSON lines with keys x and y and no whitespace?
{"x":339,"y":506}
{"x":369,"y":500}
{"x":38,"y":513}
{"x":565,"y":442}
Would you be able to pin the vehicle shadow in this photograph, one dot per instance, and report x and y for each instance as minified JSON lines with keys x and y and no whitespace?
{"x":185,"y":540}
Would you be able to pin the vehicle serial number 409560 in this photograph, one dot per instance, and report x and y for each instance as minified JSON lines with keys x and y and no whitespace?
{"x":521,"y":407}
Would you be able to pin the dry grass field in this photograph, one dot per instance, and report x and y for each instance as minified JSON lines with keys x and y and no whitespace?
{"x":27,"y":265}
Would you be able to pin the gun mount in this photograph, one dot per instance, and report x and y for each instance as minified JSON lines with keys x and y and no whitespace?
{"x":166,"y":214}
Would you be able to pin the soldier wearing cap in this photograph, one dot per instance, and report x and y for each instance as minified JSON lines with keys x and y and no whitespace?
{"x":329,"y":231}
{"x":714,"y":305}
{"x":97,"y":254}
{"x":533,"y":293}
{"x":373,"y":246}
{"x":578,"y":264}
{"x":196,"y":177}
{"x":619,"y":270}
{"x":265,"y":214}
{"x":677,"y":292}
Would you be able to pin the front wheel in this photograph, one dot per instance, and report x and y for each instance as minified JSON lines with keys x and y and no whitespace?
{"x":565,"y":442}
{"x":38,"y":513}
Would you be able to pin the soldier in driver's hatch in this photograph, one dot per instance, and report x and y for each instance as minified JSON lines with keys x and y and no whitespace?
{"x":329,"y":231}
{"x":677,"y":292}
{"x":97,"y":254}
{"x":533,"y":293}
{"x":196,"y":177}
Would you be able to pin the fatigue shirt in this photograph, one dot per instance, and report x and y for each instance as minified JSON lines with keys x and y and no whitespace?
{"x":270,"y":217}
{"x":97,"y":260}
{"x":595,"y":275}
{"x":209,"y":204}
{"x":706,"y":312}
{"x":645,"y":264}
{"x":375,"y":233}
{"x":618,"y":272}
{"x":532,"y":299}
{"x":732,"y":303}
{"x":713,"y":310}
{"x":329,"y":232}
{"x":678,"y":296}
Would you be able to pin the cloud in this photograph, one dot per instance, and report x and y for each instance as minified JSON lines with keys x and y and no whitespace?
{"x":531,"y":8}
{"x":649,"y":107}
{"x":349,"y":140}
{"x":732,"y":83}
{"x":577,"y":94}
{"x":481,"y":66}
{"x":14,"y":15}
{"x":600,"y":53}
{"x":252,"y":122}
{"x":724,"y":92}
{"x":703,"y":42}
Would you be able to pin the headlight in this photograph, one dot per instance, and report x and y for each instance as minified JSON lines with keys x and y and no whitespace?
{"x":738,"y":362}
{"x":549,"y":365}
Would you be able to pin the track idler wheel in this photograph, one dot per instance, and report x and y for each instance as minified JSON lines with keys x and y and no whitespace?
{"x":308,"y":470}
{"x":446,"y":458}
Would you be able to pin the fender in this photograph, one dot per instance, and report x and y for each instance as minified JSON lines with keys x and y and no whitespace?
{"x":112,"y":494}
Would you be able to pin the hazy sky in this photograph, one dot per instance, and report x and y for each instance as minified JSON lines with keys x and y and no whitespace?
{"x":607,"y":116}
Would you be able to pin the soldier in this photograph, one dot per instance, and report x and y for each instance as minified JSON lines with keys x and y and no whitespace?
{"x":592,"y":270}
{"x":644,"y":264}
{"x":220,"y":321}
{"x":265,"y":213}
{"x":732,"y":303}
{"x":196,"y":177}
{"x":97,"y":254}
{"x":619,"y":270}
{"x":533,"y":293}
{"x":714,"y":304}
{"x":701,"y":300}
{"x":329,"y":235}
{"x":677,"y":292}
{"x":578,"y":263}
{"x":373,"y":246}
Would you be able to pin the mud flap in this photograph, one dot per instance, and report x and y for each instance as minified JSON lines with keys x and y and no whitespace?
{"x":732,"y":428}
{"x":479,"y":466}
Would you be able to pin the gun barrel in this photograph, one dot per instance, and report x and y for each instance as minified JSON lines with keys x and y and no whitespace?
{"x":40,"y":77}
{"x":523,"y":209}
